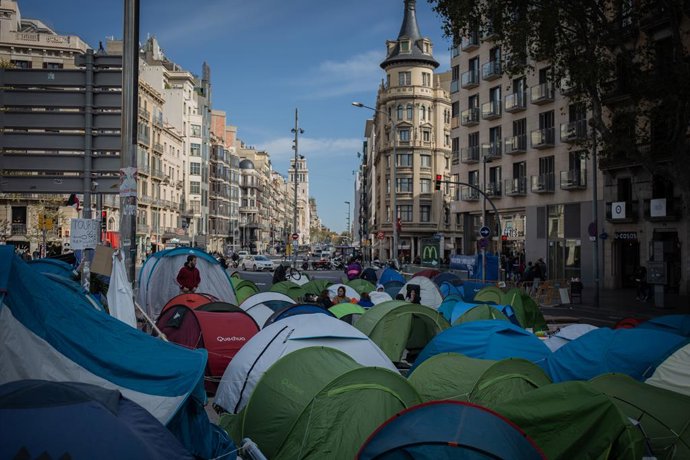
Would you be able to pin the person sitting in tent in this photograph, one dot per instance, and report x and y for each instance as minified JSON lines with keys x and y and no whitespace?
{"x":324,"y":299}
{"x":189,"y":277}
{"x":340,"y":296}
{"x":365,"y":301}
{"x":413,"y":294}
{"x":279,"y":274}
{"x":354,"y":268}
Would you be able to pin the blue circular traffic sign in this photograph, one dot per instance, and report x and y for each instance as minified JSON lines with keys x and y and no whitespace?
{"x":484,"y":232}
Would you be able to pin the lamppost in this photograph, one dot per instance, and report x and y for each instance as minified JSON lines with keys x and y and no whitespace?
{"x":349,"y":233}
{"x":296,"y":131}
{"x":394,"y":203}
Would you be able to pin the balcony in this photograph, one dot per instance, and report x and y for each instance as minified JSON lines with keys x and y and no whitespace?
{"x":158,"y":121}
{"x":18,"y":229}
{"x":469,"y":79}
{"x":567,"y":87}
{"x":616,"y":91}
{"x":470,"y":155}
{"x":488,"y":34}
{"x":516,"y":102}
{"x":143,"y":113}
{"x":468,"y":194}
{"x":143,"y":229}
{"x":157,"y":174}
{"x":158,"y":148}
{"x":542,"y":138}
{"x":491,"y":70}
{"x":491,"y":110}
{"x":543,"y":183}
{"x":575,"y":179}
{"x":493,"y":189}
{"x":145,"y":200}
{"x":454,"y":86}
{"x":574,"y":132}
{"x":515,"y":187}
{"x":663,"y":210}
{"x":622,"y":211}
{"x":469,"y":43}
{"x":516,"y":144}
{"x":542,"y":94}
{"x":491,"y":151}
{"x":469,"y":117}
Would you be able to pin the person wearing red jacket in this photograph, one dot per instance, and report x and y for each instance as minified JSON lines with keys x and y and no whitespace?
{"x":189,"y":277}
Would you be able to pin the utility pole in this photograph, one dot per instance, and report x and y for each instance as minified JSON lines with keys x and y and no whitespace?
{"x":128,"y":154}
{"x":349,"y":233}
{"x":595,"y":218}
{"x":296,"y":131}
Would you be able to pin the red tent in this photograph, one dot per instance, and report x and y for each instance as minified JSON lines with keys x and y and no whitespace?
{"x":429,"y":273}
{"x":628,"y":323}
{"x":221,"y":328}
{"x":191,"y":300}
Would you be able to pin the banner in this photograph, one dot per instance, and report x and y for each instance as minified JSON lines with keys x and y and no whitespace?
{"x":430,"y":252}
{"x":84,"y":233}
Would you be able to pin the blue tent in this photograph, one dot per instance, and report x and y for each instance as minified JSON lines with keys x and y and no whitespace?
{"x":393,"y":287}
{"x":48,"y":332}
{"x":470,"y":288}
{"x":390,"y":274}
{"x":454,"y":307}
{"x":55,"y":266}
{"x":451,"y":288}
{"x":634,"y":352}
{"x":677,"y":324}
{"x":72,"y":285}
{"x":76,"y":420}
{"x":448,"y":304}
{"x":294,"y":310}
{"x":448,"y":430}
{"x":445,"y":277}
{"x":486,"y":339}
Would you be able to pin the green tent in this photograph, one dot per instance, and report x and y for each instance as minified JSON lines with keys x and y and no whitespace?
{"x":243,"y":288}
{"x":318,"y":403}
{"x":574,"y":420}
{"x":481,"y":381}
{"x":396,"y":326}
{"x":480,"y":312}
{"x":489,"y":294}
{"x":290,"y":289}
{"x":347,"y":311}
{"x":361,"y":285}
{"x":663,"y":415}
{"x":315,"y":286}
{"x":526,"y":310}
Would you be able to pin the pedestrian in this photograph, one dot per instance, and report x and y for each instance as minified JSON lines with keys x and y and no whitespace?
{"x":280,"y":274}
{"x":188,"y":278}
{"x":354,"y":268}
{"x":365,"y":300}
{"x":340,"y":296}
{"x":324,"y":299}
{"x":542,"y":269}
{"x":529,"y":273}
{"x":641,"y":281}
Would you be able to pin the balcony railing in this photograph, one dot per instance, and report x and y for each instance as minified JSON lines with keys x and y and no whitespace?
{"x":143,"y":229}
{"x":469,"y":117}
{"x":515,"y":187}
{"x":471,"y":42}
{"x":516,"y":144}
{"x":516,"y":102}
{"x":543,"y":183}
{"x":18,"y":229}
{"x":158,"y":174}
{"x":493,"y":189}
{"x":454,"y":86}
{"x":491,"y":110}
{"x":575,"y":131}
{"x":622,"y":211}
{"x":542,"y":138}
{"x":542,"y":94}
{"x":491,"y":70}
{"x":488,"y":34}
{"x":144,"y":113}
{"x":158,"y":148}
{"x":491,"y":151}
{"x":575,"y":179}
{"x":662,"y":209}
{"x":470,"y":155}
{"x":469,"y":194}
{"x":469,"y":79}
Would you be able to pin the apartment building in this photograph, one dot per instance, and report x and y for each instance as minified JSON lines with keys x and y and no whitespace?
{"x":515,"y":138}
{"x":230,"y":142}
{"x":299,"y":176}
{"x":219,"y":187}
{"x":412,"y":120}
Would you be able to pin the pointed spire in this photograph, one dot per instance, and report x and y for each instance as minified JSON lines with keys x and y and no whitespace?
{"x":409,"y":45}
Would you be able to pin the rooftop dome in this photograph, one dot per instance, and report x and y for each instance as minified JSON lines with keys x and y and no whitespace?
{"x":246,"y":164}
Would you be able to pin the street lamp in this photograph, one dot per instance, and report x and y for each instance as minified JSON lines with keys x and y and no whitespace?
{"x":394,"y":203}
{"x":349,"y":234}
{"x":297,"y":131}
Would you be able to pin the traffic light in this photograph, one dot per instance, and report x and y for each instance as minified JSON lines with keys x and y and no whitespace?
{"x":104,"y":220}
{"x":439,"y":179}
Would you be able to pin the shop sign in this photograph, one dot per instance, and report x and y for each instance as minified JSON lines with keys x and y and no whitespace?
{"x":626,"y":236}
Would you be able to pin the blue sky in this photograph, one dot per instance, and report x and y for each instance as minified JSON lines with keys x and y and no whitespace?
{"x":267,"y":58}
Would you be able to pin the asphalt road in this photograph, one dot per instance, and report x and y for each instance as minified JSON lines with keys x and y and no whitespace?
{"x":263,"y":280}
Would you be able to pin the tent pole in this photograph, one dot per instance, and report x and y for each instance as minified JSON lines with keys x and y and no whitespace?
{"x":150,"y":321}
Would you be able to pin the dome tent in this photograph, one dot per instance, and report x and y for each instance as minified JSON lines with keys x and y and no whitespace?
{"x":296,"y":310}
{"x":327,"y":415}
{"x":315,"y":286}
{"x":361,"y":285}
{"x":243,"y":288}
{"x":157,"y":278}
{"x":284,"y":337}
{"x":348,"y":312}
{"x":489,"y":294}
{"x":262,"y":305}
{"x":567,"y":334}
{"x":677,"y":324}
{"x":526,"y":310}
{"x":674,"y":372}
{"x":429,"y":295}
{"x":349,"y":291}
{"x":480,"y":381}
{"x":390,"y":274}
{"x":290,"y":289}
{"x":397,"y":327}
{"x":479,"y":313}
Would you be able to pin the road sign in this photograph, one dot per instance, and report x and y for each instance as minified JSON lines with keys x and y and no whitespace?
{"x":604,"y":235}
{"x":484,"y":243}
{"x":484,"y":232}
{"x":380,"y":235}
{"x":295,"y":236}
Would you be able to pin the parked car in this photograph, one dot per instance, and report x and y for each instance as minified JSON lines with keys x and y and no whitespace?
{"x":254,"y":263}
{"x":242,"y":254}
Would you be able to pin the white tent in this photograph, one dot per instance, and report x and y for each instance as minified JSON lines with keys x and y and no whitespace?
{"x":567,"y":334}
{"x":158,"y":279}
{"x":262,"y":305}
{"x":379,"y":297}
{"x":429,"y":296}
{"x":674,"y":373}
{"x":350,"y":292}
{"x":283,"y":337}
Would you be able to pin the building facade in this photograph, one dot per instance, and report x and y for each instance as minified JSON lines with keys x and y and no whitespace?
{"x":299,"y":178}
{"x":412,"y":128}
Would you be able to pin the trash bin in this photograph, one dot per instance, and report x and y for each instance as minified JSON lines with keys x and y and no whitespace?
{"x":576,"y":291}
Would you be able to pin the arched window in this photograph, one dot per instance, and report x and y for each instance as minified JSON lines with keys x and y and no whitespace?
{"x":390,"y":115}
{"x":422,"y":112}
{"x":400,"y":112}
{"x":410,"y":112}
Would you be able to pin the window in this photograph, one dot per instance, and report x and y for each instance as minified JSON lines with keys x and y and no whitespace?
{"x":455,"y":109}
{"x":495,"y":95}
{"x":195,"y":150}
{"x":410,"y":112}
{"x":52,"y":65}
{"x":422,"y":112}
{"x":404,"y":135}
{"x":19,"y":64}
{"x":404,"y":46}
{"x":405,"y":212}
{"x":388,"y":186}
{"x":195,"y":169}
{"x":388,"y":80}
{"x":196,"y":130}
{"x":425,"y":161}
{"x":400,"y":112}
{"x":519,"y":170}
{"x":404,"y":78}
{"x":473,"y":177}
{"x":473,"y":101}
{"x":195,"y":187}
{"x":425,"y":186}
{"x":426,"y":79}
{"x":425,"y":213}
{"x":405,"y":160}
{"x":426,"y":135}
{"x":404,"y":185}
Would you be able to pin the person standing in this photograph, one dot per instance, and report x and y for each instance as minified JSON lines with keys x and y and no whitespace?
{"x":189,"y":278}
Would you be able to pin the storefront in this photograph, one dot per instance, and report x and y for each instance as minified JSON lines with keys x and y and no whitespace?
{"x":513,"y":234}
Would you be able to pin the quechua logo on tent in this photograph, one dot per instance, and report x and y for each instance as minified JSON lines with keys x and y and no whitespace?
{"x":231,"y":339}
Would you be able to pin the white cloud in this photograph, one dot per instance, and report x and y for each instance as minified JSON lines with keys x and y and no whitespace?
{"x":281,"y":148}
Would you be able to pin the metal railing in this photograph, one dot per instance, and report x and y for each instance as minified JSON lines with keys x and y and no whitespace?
{"x":469,"y":117}
{"x":516,"y":144}
{"x":543,"y":183}
{"x":543,"y":138}
{"x":491,"y":70}
{"x":470,"y":154}
{"x":542,"y":94}
{"x":515,"y":187}
{"x":575,"y":131}
{"x":469,"y":79}
{"x":491,"y":110}
{"x":574,"y":179}
{"x":516,"y":102}
{"x":491,"y":151}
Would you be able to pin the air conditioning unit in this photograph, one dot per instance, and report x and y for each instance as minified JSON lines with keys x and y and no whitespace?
{"x":618,"y":210}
